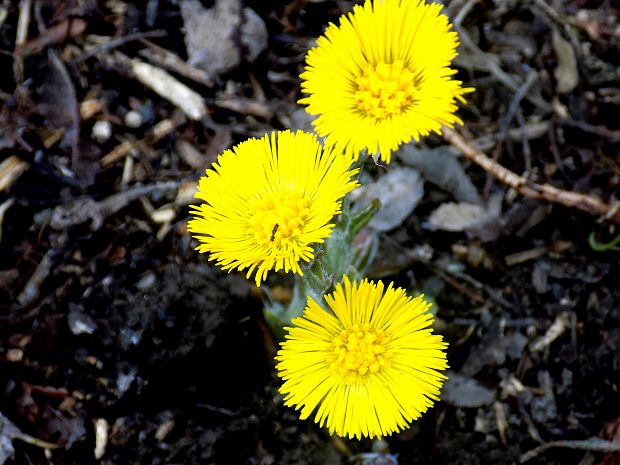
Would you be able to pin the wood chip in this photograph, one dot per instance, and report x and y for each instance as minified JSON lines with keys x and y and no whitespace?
{"x":3,"y":208}
{"x":566,"y":73}
{"x":502,"y":422}
{"x":186,"y":193}
{"x":561,"y":323}
{"x":166,"y":59}
{"x":30,"y":292}
{"x":101,"y":437}
{"x":163,"y":215}
{"x":168,"y":87}
{"x":23,"y":22}
{"x":11,"y":169}
{"x":525,"y":256}
{"x":14,"y":355}
{"x":164,"y":429}
{"x":89,"y":108}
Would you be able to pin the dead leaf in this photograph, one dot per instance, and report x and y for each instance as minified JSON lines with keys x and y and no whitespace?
{"x":253,"y":34}
{"x":566,"y":72}
{"x":9,"y":432}
{"x":399,"y":191}
{"x":456,"y":217}
{"x":64,"y":428}
{"x":6,"y":439}
{"x":441,"y":167}
{"x":494,"y":350}
{"x":466,"y":392}
{"x":58,"y":100}
{"x":213,"y":35}
{"x":478,"y":221}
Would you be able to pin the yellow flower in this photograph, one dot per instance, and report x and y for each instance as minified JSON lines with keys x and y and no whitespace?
{"x":368,"y":367}
{"x":382,"y":77}
{"x":268,"y":200}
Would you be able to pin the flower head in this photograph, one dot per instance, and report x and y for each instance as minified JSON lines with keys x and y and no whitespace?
{"x":368,"y":367}
{"x":268,"y":200}
{"x":382,"y":76}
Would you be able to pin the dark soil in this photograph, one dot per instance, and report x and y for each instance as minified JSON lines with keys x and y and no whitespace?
{"x":113,"y":328}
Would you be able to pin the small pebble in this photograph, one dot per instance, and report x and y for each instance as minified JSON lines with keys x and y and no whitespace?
{"x":125,"y":380}
{"x":147,"y":281}
{"x":133,"y":119}
{"x":80,"y":322}
{"x":14,"y":355}
{"x":102,"y":131}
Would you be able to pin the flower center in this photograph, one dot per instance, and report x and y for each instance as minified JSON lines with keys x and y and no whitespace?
{"x":385,"y":89}
{"x":278,"y":218}
{"x":358,"y":351}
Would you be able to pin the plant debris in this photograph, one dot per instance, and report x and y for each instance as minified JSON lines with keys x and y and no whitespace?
{"x":119,"y":344}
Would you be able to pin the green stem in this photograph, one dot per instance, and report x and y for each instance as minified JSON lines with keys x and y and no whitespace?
{"x":598,"y":247}
{"x":336,"y":257}
{"x":363,"y":216}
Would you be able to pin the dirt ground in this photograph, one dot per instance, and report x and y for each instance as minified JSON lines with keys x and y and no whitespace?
{"x":121,"y":345}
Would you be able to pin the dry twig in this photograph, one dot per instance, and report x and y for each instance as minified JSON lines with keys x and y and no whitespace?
{"x":593,"y":444}
{"x":159,"y":131}
{"x":587,"y":203}
{"x":114,"y":43}
{"x":80,"y":210}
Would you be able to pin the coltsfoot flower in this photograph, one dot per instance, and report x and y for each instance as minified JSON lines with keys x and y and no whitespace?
{"x":268,"y":201}
{"x":369,"y":366}
{"x":382,"y":77}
